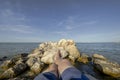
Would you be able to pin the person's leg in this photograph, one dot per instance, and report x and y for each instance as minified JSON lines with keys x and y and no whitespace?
{"x":50,"y":74}
{"x":66,"y":70}
{"x":53,"y":68}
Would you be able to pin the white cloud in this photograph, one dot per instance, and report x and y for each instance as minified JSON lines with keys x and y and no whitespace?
{"x":75,"y":22}
{"x":8,"y":16}
{"x":6,"y":13}
{"x":63,"y":33}
{"x":13,"y":21}
{"x":16,"y":28}
{"x":68,"y":23}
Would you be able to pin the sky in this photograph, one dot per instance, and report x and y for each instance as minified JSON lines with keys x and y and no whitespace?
{"x":52,"y":20}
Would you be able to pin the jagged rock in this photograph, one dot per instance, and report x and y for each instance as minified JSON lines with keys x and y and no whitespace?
{"x":1,"y":71}
{"x":106,"y":66}
{"x":66,"y":47}
{"x":1,"y":59}
{"x":4,"y":58}
{"x":6,"y":65}
{"x":83,"y":58}
{"x":16,"y":59}
{"x":27,"y":75}
{"x":64,"y":43}
{"x":7,"y":74}
{"x":37,"y":59}
{"x":32,"y":60}
{"x":14,"y":71}
{"x":73,"y":52}
{"x":20,"y":78}
{"x":97,"y":56}
{"x":37,"y":67}
{"x":36,"y":52}
{"x":48,"y":56}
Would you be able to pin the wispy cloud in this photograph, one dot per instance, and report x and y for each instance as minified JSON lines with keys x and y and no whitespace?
{"x":8,"y":16}
{"x":13,"y":21}
{"x":68,"y":23}
{"x":63,"y":33}
{"x":16,"y":28}
{"x":72,"y":24}
{"x":75,"y":22}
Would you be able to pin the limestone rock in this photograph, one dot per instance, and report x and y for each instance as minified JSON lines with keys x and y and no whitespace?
{"x":15,"y":70}
{"x":8,"y":74}
{"x":10,"y":63}
{"x":97,"y":56}
{"x":27,"y":75}
{"x":63,"y":42}
{"x":83,"y":58}
{"x":48,"y":56}
{"x":32,"y":60}
{"x":25,"y":66}
{"x":36,"y":52}
{"x":19,"y":68}
{"x":106,"y":66}
{"x":7,"y":64}
{"x":73,"y":52}
{"x":66,"y":47}
{"x":37,"y":67}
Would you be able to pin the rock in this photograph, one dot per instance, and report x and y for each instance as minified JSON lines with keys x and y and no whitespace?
{"x":17,"y":78}
{"x":1,"y":59}
{"x":7,"y":74}
{"x":97,"y":56}
{"x":48,"y":56}
{"x":63,"y":42}
{"x":36,"y":52}
{"x":6,"y":64}
{"x":19,"y":68}
{"x":15,"y":60}
{"x":4,"y":58}
{"x":1,"y":71}
{"x":27,"y":66}
{"x":37,"y":67}
{"x":18,"y":57}
{"x":66,"y":47}
{"x":83,"y":58}
{"x":27,"y":74}
{"x":106,"y":66}
{"x":14,"y":71}
{"x":73,"y":52}
{"x":32,"y":60}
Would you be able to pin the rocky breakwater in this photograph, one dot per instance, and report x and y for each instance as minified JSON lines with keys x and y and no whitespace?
{"x":105,"y":66}
{"x":26,"y":67}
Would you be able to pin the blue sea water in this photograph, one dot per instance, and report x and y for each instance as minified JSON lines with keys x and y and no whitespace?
{"x":109,"y":50}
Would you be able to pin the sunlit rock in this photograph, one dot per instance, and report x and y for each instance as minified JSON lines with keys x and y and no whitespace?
{"x":106,"y":66}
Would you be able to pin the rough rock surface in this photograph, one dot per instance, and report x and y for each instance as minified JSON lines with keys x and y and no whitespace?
{"x":84,"y":58}
{"x":66,"y":47}
{"x":28,"y":66}
{"x":106,"y":66}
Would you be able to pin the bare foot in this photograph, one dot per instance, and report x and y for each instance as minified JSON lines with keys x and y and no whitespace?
{"x":63,"y":64}
{"x":53,"y":68}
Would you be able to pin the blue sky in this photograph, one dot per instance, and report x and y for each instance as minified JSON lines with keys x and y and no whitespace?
{"x":51,"y":20}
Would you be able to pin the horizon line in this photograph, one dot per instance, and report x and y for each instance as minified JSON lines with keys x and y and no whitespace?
{"x":56,"y":41}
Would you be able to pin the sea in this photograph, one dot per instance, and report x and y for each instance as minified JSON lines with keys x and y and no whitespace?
{"x":109,"y":50}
